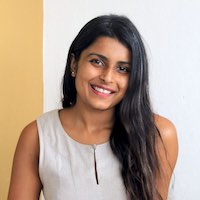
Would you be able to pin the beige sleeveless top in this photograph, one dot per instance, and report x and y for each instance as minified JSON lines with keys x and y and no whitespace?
{"x":70,"y":170}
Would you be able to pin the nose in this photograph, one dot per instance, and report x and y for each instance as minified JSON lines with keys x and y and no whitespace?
{"x":107,"y":75}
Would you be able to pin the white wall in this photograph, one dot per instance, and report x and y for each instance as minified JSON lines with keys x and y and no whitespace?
{"x":171,"y":30}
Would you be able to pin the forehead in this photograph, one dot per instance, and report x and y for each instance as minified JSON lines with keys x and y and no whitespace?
{"x":109,"y":47}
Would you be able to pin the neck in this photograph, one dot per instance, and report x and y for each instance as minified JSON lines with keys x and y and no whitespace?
{"x":93,"y":120}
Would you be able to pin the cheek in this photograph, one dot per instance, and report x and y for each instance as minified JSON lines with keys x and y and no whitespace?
{"x":123,"y":85}
{"x":83,"y":78}
{"x":85,"y":71}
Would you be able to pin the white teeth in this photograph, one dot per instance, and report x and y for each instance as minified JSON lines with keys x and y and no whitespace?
{"x":101,"y":90}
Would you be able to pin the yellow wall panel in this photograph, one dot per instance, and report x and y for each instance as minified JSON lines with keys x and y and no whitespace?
{"x":21,"y":87}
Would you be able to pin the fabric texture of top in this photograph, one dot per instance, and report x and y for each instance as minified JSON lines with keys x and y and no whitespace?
{"x":70,"y":170}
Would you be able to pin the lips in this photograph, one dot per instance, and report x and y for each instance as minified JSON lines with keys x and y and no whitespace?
{"x":102,"y":90}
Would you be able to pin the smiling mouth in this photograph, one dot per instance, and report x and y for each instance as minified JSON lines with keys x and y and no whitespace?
{"x":101,"y":90}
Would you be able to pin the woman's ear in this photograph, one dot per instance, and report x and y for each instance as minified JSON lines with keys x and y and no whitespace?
{"x":73,"y":65}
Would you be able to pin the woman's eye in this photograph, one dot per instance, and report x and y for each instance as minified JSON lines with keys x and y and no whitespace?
{"x":122,"y":69}
{"x":97,"y":62}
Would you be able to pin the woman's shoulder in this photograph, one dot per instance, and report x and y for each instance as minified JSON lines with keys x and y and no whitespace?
{"x":29,"y":135}
{"x":166,"y":128}
{"x":167,"y":149}
{"x":168,"y":145}
{"x":25,"y":166}
{"x":32,"y":128}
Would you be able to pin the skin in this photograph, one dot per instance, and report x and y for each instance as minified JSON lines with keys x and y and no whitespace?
{"x":104,"y":64}
{"x":167,"y":150}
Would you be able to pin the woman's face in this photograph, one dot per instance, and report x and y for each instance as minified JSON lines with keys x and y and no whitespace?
{"x":102,"y":74}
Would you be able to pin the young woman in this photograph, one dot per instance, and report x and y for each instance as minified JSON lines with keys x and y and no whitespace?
{"x":106,"y":143}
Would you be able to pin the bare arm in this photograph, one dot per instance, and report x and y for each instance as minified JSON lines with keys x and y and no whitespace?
{"x":167,"y":153}
{"x":25,"y":182}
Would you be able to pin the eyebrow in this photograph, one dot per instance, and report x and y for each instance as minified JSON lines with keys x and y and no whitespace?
{"x":99,"y":55}
{"x":105,"y":58}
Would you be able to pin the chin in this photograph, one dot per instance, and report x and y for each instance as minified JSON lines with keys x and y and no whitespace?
{"x":102,"y":107}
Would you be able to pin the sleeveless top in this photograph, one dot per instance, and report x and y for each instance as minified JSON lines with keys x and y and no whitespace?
{"x":70,"y":170}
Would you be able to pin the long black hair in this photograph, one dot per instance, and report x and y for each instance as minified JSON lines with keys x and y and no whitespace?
{"x":134,"y":134}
